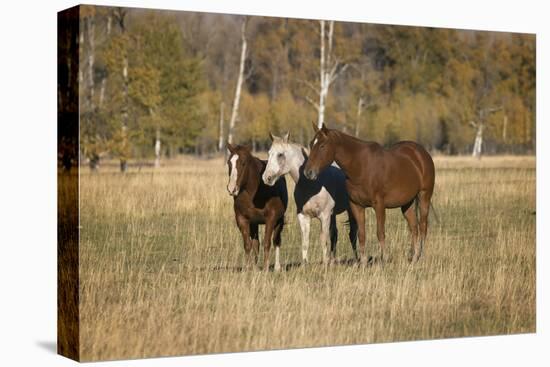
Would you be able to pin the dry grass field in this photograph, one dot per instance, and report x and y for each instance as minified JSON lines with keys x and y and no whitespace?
{"x":161,"y":264}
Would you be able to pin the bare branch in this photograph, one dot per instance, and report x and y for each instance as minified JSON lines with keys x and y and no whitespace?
{"x":312,"y":103}
{"x":310,"y":85}
{"x":249,"y":73}
{"x":333,"y":70}
{"x":338,"y":73}
{"x":492,"y":109}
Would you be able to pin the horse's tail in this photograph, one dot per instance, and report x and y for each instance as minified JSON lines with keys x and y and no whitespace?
{"x":435,"y":213}
{"x":347,"y":223}
{"x":432,"y":211}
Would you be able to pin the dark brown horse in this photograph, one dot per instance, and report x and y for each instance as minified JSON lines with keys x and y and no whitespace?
{"x":380,"y":178}
{"x":256,"y":203}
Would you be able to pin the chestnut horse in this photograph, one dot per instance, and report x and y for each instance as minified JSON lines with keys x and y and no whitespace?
{"x":256,"y":203}
{"x":399,"y":176}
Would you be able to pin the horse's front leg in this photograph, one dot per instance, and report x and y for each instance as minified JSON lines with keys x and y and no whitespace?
{"x":333,"y":238}
{"x":244,"y":227}
{"x":277,"y":242}
{"x":305,"y":223}
{"x":269,"y":226}
{"x":324,"y":238}
{"x":359,"y":216}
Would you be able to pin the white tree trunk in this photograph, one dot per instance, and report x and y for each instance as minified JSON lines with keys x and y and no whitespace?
{"x":220,"y":140}
{"x":80,"y":47}
{"x":359,"y":110}
{"x":125,"y":108}
{"x":504,"y":127}
{"x":102,"y":92}
{"x":478,"y":142}
{"x":157,"y":148}
{"x":104,"y":80}
{"x":109,"y":20}
{"x":91,"y":58}
{"x":322,"y":73}
{"x":328,"y":69}
{"x":124,"y":149}
{"x":235,"y":110}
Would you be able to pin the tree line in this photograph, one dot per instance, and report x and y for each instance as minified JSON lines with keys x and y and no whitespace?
{"x":155,"y":84}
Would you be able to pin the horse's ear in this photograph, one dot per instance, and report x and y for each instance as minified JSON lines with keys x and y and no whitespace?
{"x":271,"y":136}
{"x":286,"y":137}
{"x":230,"y":147}
{"x":324,"y":127}
{"x":315,"y":128}
{"x":248,"y":147}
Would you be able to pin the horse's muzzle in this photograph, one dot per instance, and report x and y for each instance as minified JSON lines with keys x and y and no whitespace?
{"x":268,"y":180}
{"x":233,"y":191}
{"x":310,"y":174}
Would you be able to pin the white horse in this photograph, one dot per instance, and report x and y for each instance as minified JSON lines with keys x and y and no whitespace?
{"x":323,"y":198}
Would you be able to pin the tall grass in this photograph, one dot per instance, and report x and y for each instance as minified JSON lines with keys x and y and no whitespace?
{"x":160,"y":268}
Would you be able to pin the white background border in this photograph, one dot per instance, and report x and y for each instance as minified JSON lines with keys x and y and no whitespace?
{"x":28,"y":181}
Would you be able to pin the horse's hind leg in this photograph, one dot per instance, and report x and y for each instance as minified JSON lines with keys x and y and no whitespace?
{"x":380,"y":211}
{"x":333,"y":237}
{"x":424,"y":198}
{"x":409,"y":212}
{"x":255,"y":241}
{"x":305,"y":223}
{"x":353,"y":233}
{"x":277,"y":242}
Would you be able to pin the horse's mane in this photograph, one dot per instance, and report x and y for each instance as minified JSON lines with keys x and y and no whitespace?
{"x":259,"y":162}
{"x":302,"y":149}
{"x":352,"y":139}
{"x":299,"y":147}
{"x":304,"y":152}
{"x":340,"y":135}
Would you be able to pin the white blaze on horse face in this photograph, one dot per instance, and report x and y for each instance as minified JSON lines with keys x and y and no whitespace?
{"x":232,"y":185}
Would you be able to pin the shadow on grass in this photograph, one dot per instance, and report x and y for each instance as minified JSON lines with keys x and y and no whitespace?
{"x":287,"y":267}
